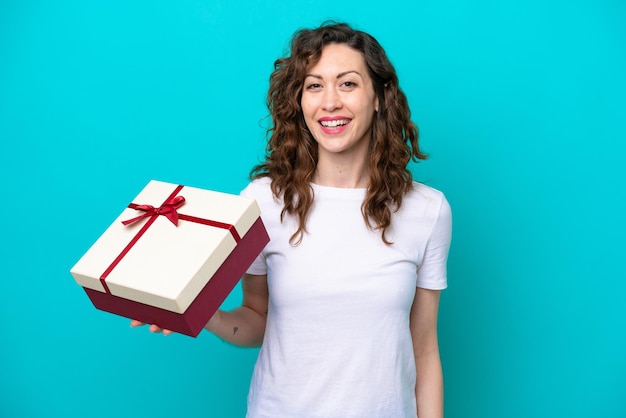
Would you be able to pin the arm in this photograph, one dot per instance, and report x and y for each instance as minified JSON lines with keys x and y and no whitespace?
{"x":429,"y":382}
{"x":244,"y":326}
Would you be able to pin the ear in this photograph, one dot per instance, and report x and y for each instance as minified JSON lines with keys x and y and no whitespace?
{"x":376,"y":104}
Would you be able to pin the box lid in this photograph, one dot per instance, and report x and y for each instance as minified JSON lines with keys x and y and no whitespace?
{"x":167,"y":265}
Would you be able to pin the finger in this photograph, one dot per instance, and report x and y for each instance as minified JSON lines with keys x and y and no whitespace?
{"x":155,"y":328}
{"x":167,"y":332}
{"x":134,"y":323}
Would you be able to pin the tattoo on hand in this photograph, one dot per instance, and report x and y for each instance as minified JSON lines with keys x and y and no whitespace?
{"x":235,"y":330}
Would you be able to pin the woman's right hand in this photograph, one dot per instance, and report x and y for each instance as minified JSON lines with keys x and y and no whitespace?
{"x":153,"y":328}
{"x":243,"y":326}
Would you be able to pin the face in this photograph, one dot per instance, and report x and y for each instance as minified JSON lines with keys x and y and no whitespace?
{"x":338,"y":102}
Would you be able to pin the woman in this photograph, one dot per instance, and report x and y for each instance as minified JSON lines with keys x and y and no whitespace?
{"x":344,"y":299}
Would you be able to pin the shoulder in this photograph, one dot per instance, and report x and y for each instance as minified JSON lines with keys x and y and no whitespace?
{"x":427,"y":201}
{"x":258,"y":188}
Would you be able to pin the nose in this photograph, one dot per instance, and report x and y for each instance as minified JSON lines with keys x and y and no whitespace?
{"x":331,"y":100}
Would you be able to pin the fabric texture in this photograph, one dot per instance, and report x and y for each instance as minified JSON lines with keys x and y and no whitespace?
{"x":337,"y":342}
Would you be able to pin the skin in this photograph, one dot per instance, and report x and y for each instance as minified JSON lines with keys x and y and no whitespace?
{"x":243,"y":326}
{"x":339,"y":86}
{"x":429,"y":382}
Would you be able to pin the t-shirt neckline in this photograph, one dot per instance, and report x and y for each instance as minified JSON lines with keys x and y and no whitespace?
{"x":338,"y":192}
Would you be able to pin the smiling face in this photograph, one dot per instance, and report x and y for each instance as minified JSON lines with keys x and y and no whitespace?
{"x":338,"y":102}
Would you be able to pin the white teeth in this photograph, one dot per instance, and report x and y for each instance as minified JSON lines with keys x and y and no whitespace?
{"x":334,"y":123}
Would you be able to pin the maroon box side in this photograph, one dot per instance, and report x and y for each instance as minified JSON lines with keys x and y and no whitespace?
{"x":208,"y":300}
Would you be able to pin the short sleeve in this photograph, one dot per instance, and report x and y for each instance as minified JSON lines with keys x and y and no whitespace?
{"x":432,"y":273}
{"x":259,"y":265}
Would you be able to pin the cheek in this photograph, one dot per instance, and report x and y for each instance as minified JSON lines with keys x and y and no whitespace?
{"x":308,"y":116}
{"x":310,"y":124}
{"x":305,"y":111}
{"x":307,"y":106}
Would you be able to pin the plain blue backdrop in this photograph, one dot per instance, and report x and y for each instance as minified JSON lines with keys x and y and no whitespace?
{"x":520,"y":106}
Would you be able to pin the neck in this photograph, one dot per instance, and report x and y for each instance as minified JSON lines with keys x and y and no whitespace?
{"x":346,"y":174}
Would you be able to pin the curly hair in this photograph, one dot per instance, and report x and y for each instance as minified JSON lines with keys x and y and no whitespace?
{"x":292,"y":152}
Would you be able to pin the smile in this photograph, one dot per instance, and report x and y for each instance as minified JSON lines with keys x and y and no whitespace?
{"x":334,"y":123}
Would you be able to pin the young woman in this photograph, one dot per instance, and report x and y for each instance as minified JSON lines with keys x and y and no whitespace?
{"x":344,"y":299}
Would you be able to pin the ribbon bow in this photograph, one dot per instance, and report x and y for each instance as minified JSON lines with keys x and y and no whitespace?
{"x":167,"y":209}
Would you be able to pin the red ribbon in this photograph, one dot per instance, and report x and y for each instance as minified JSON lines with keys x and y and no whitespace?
{"x":169,"y":209}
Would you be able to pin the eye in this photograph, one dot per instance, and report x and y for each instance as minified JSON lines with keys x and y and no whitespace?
{"x":348,"y":84}
{"x":313,"y":86}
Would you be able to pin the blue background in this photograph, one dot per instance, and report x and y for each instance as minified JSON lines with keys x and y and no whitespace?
{"x":521,"y":108}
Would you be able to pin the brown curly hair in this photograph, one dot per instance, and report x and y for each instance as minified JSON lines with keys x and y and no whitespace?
{"x":291,"y":152}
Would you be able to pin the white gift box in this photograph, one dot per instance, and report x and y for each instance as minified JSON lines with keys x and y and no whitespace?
{"x":178,"y":241}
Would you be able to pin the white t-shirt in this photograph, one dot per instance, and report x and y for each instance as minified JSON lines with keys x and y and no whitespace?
{"x":337,"y":342}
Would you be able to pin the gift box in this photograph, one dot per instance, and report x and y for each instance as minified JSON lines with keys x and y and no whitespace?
{"x":172,"y":256}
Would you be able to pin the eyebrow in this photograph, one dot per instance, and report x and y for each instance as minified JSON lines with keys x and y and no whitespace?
{"x":338,"y":75}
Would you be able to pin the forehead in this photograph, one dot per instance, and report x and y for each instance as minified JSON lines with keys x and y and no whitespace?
{"x":338,"y":58}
